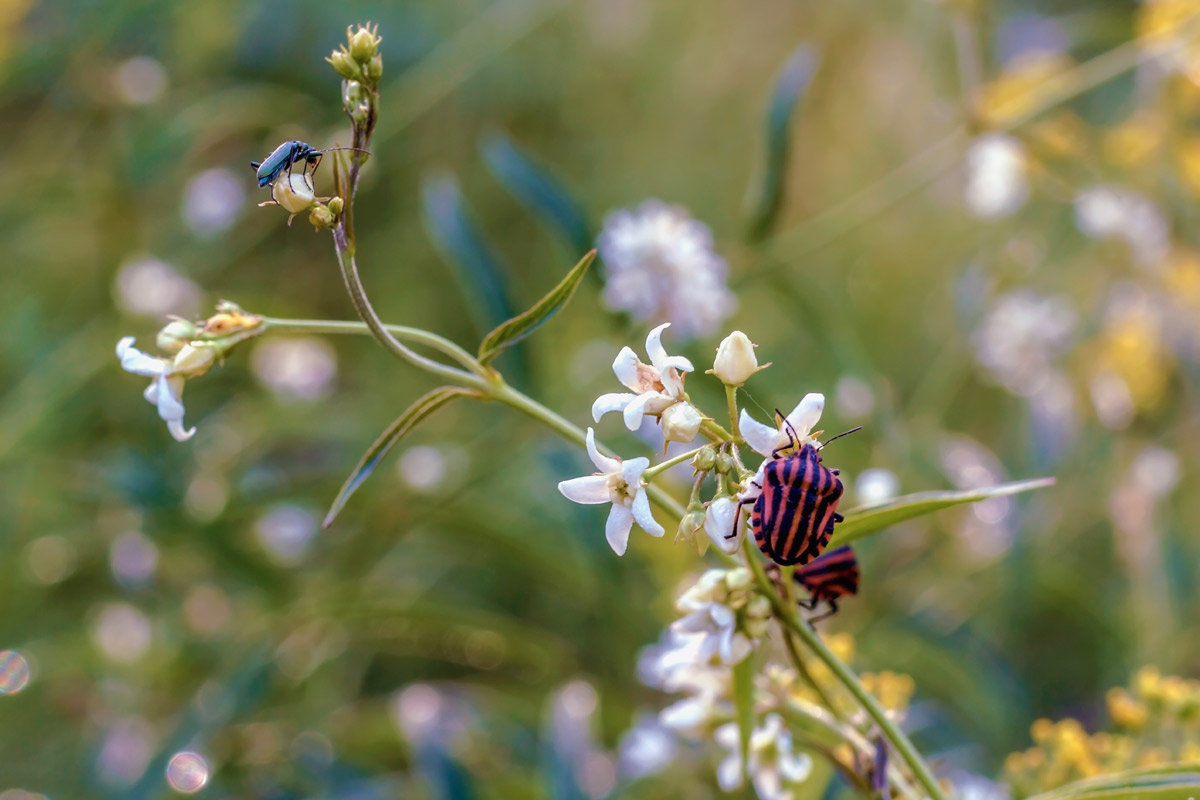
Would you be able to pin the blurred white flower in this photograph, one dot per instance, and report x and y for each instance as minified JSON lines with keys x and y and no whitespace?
{"x":876,"y":485}
{"x":122,"y":632}
{"x":620,"y":483}
{"x":771,"y":764}
{"x":286,"y":532}
{"x":659,"y":262}
{"x":166,"y":390}
{"x":645,"y":749}
{"x":656,"y":386}
{"x":1113,"y":212}
{"x":1022,"y":337}
{"x":996,"y":181}
{"x":709,"y":629}
{"x":140,"y":80}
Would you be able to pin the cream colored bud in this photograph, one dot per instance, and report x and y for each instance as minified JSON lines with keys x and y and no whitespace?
{"x":193,"y":360}
{"x":175,"y":334}
{"x":374,"y":68}
{"x":321,"y":216}
{"x":705,"y":460}
{"x":735,"y":361}
{"x":336,"y":205}
{"x":344,"y":65}
{"x":724,"y":463}
{"x":364,"y":44}
{"x":681,"y":422}
{"x":293,"y":191}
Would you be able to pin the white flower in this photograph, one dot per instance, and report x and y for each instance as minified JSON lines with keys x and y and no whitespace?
{"x":996,"y":185}
{"x":166,"y":389}
{"x":659,"y":262}
{"x":1104,"y":212}
{"x":1022,"y":337}
{"x":620,"y":483}
{"x":771,"y":764}
{"x":656,"y":386}
{"x":681,"y":423}
{"x":293,"y":191}
{"x":735,"y":361}
{"x":718,"y":524}
{"x":766,"y":439}
{"x":713,"y":630}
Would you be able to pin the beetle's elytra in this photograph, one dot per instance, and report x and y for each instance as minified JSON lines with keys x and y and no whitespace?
{"x":282,"y":158}
{"x":827,"y":578}
{"x":794,"y":514}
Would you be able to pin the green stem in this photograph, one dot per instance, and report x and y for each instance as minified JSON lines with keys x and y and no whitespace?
{"x":503,"y":393}
{"x":331,"y":326}
{"x":899,"y":742}
{"x":670,"y":462}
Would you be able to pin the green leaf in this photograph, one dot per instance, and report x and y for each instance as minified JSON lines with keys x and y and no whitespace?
{"x":520,"y":326}
{"x":1175,"y":782}
{"x":537,"y":190}
{"x":866,"y":520}
{"x":404,"y":424}
{"x":766,"y":197}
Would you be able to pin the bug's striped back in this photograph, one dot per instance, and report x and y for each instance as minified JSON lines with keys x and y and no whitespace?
{"x":833,"y":575}
{"x":794,"y":515}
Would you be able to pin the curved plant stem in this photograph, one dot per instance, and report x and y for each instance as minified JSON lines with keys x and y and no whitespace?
{"x":896,"y":738}
{"x":403,"y":332}
{"x":670,"y":462}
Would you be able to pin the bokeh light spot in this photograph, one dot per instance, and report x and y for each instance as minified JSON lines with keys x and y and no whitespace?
{"x":187,"y":772}
{"x":14,"y":672}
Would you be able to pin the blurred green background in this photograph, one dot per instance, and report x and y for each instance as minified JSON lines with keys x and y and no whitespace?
{"x":171,"y":597}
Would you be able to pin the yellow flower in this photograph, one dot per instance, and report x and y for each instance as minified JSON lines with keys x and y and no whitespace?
{"x":1126,"y":712}
{"x":1135,"y":141}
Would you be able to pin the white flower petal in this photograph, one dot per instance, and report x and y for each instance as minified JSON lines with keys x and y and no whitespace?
{"x":637,"y":409}
{"x":631,"y":471}
{"x":678,"y":362}
{"x":796,"y":768}
{"x":603,"y":463}
{"x":589,"y":490}
{"x":741,"y":647}
{"x":767,"y":785}
{"x":729,"y":771}
{"x":763,"y":439}
{"x":626,"y":367}
{"x":698,"y":621}
{"x":610,"y":402}
{"x":137,"y":362}
{"x":687,"y":714}
{"x":654,"y":348}
{"x":718,"y":524}
{"x":616,"y":529}
{"x":727,"y":736}
{"x":641,"y":512}
{"x":180,"y":434}
{"x":807,"y":413}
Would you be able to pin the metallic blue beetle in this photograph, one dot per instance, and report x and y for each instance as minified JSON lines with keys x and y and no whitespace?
{"x":282,"y":158}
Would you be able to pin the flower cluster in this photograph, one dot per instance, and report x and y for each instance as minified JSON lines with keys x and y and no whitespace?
{"x":1156,"y":721}
{"x":192,"y":348}
{"x":660,"y":264}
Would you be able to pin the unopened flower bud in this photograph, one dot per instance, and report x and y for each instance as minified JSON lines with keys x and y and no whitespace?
{"x":681,"y":422}
{"x":321,"y":216}
{"x":336,"y":204}
{"x":364,"y":44}
{"x":690,"y":528}
{"x":735,"y":361}
{"x":724,"y":463}
{"x":344,"y":65}
{"x":704,"y":460}
{"x":738,"y":579}
{"x":193,"y":360}
{"x":759,"y":607}
{"x":293,"y":191}
{"x":374,"y":68}
{"x":175,"y":334}
{"x":353,"y":95}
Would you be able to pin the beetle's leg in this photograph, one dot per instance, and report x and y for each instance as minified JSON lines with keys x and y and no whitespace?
{"x":810,"y":604}
{"x":837,"y":517}
{"x":255,"y":164}
{"x":832,"y":610}
{"x":836,"y":471}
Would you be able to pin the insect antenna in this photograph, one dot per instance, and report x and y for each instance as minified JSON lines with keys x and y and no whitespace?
{"x":356,"y":149}
{"x":840,"y":435}
{"x":757,"y":404}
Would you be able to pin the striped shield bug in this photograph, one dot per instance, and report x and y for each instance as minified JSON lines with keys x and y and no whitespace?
{"x":794,"y":513}
{"x":827,"y":578}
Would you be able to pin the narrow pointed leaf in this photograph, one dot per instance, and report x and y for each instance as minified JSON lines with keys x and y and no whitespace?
{"x":520,"y":326}
{"x":1174,"y":782}
{"x":766,"y":196}
{"x":404,"y":424}
{"x":537,"y":190}
{"x":480,"y":275}
{"x":866,"y":520}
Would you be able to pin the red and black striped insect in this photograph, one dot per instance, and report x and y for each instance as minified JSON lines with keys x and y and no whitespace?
{"x":828,"y":578}
{"x":796,"y":509}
